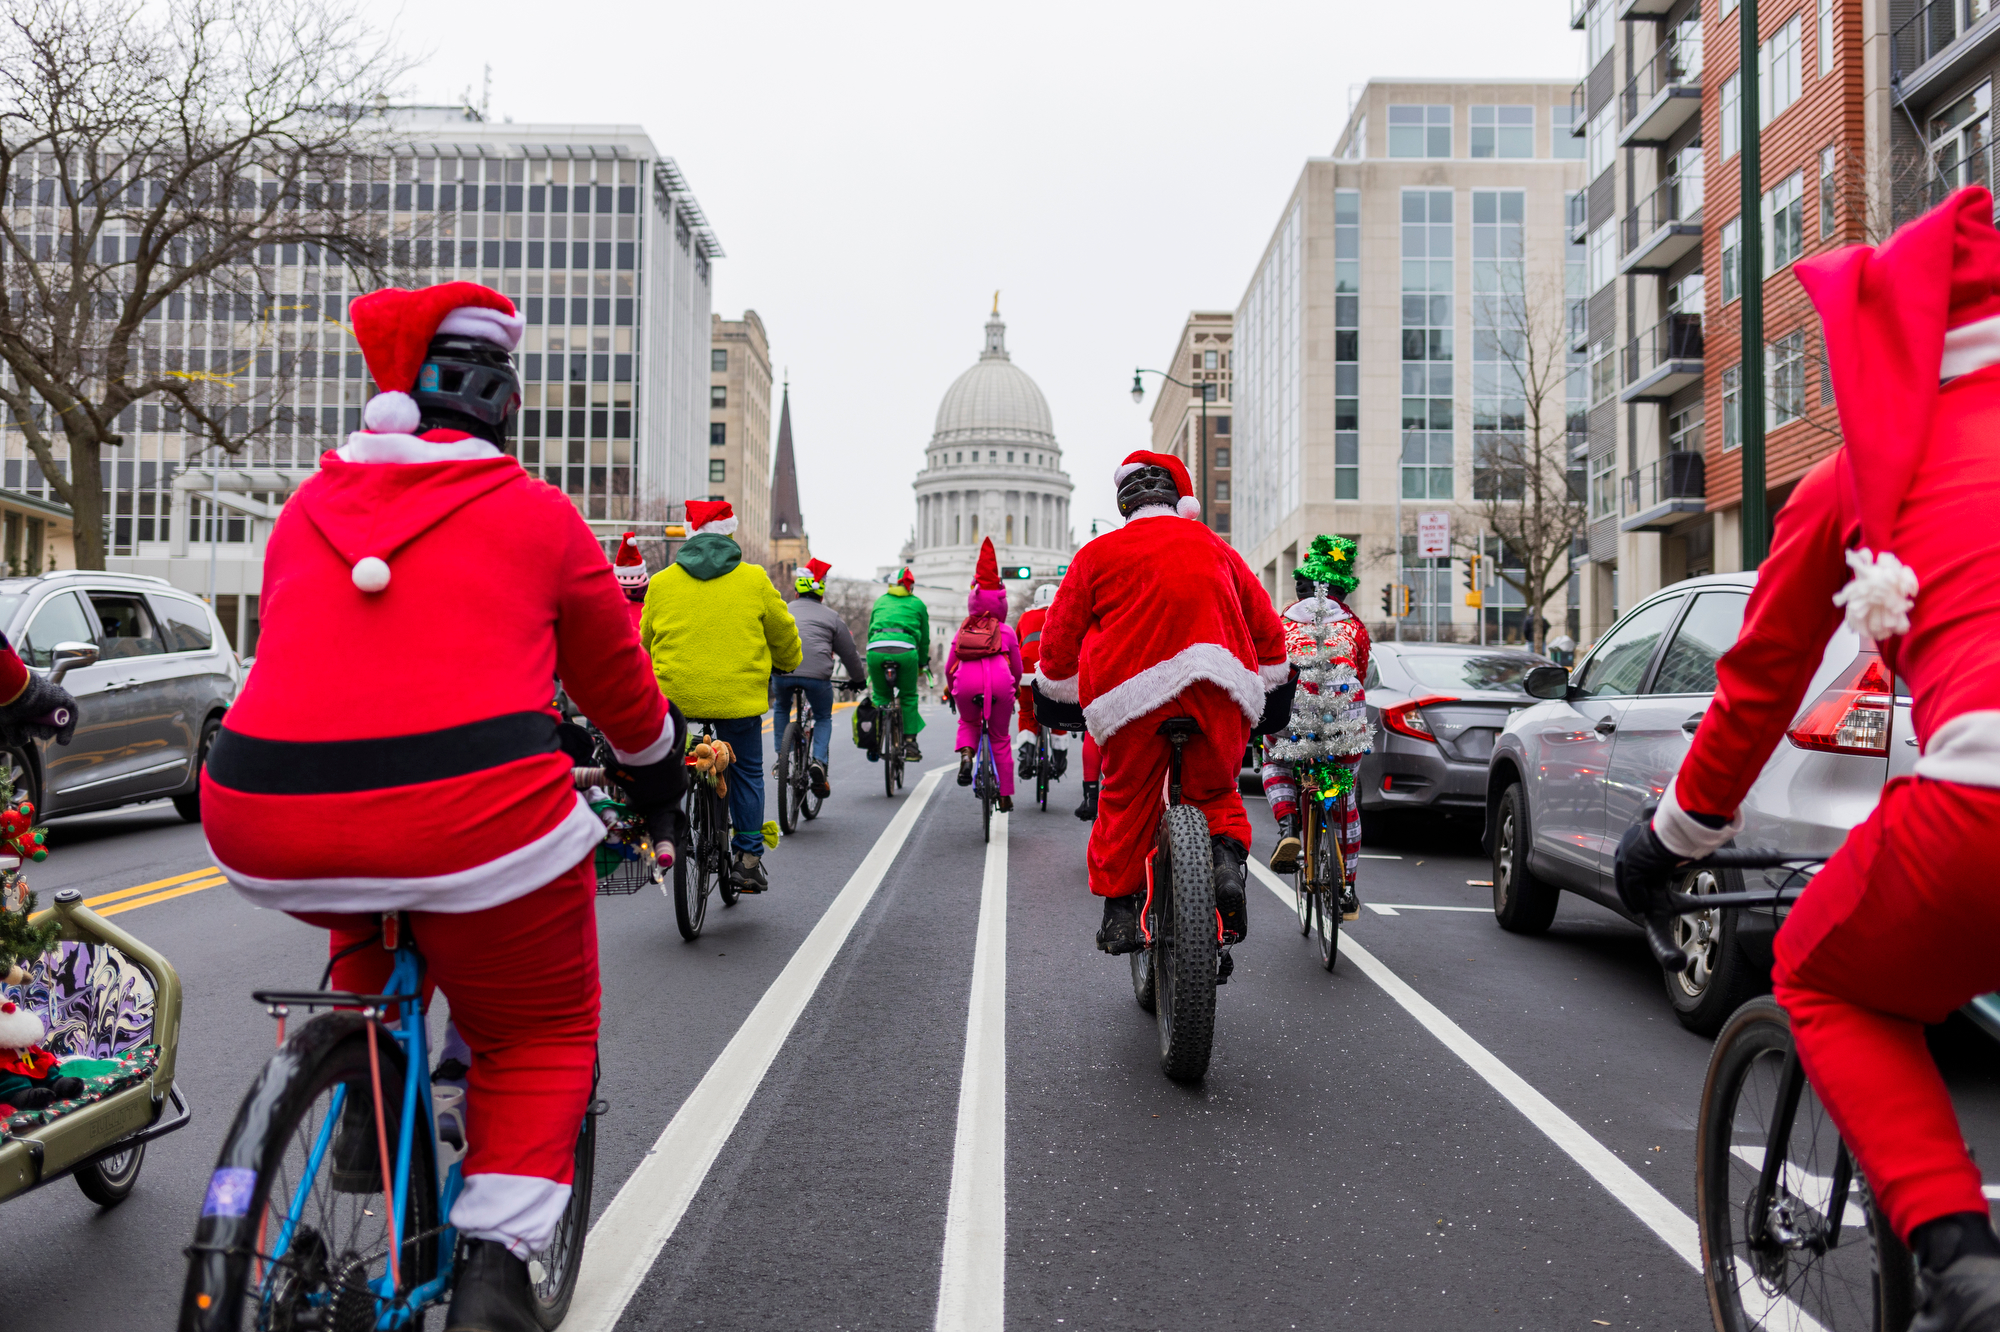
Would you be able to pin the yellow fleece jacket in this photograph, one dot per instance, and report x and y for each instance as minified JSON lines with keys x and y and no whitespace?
{"x":715,"y":641}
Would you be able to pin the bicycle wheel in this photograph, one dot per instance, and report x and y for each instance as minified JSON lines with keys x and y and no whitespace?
{"x":552,"y":1272}
{"x":1185,"y":947}
{"x":1142,"y":978}
{"x":1303,"y":896}
{"x":1330,"y":877}
{"x":277,"y":1245}
{"x":694,"y":873}
{"x":892,"y":750}
{"x":788,"y":769}
{"x":720,"y":881}
{"x":1042,"y":765}
{"x":1809,"y":1262}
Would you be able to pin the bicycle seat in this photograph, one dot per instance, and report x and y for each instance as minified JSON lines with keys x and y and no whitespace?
{"x":1179,"y":730}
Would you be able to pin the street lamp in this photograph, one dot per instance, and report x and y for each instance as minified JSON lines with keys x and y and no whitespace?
{"x":1201,"y":454}
{"x":1138,"y":389}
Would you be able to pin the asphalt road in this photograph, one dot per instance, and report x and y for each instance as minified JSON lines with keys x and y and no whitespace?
{"x":1340,"y":1165}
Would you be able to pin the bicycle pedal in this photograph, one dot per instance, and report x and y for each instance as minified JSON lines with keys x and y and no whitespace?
{"x":1350,"y":915}
{"x":1223,"y":967}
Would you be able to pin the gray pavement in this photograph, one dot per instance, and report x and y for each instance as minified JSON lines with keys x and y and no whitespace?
{"x":1339,"y":1166}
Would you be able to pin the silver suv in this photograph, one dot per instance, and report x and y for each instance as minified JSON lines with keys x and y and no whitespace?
{"x":152,"y":674}
{"x":1570,"y":774}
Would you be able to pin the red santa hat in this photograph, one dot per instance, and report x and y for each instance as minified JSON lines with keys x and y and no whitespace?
{"x":395,"y":328}
{"x":1925,"y":306}
{"x":1190,"y":504}
{"x":630,"y":566}
{"x":714,"y":517}
{"x":986,"y":575}
{"x":819,"y":569}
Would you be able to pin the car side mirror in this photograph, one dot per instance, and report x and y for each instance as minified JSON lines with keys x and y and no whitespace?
{"x":1547,"y":682}
{"x":70,"y":655}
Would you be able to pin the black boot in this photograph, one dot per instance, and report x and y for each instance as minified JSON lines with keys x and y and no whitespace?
{"x":1285,"y":860}
{"x":965,"y":767}
{"x":1087,"y":811}
{"x":1231,"y":899}
{"x":1960,"y":1263}
{"x":491,"y":1293}
{"x":1120,"y":932}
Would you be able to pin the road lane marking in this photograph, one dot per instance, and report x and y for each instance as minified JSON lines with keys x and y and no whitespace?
{"x":1376,"y":855}
{"x":123,"y":893}
{"x":629,"y":1236}
{"x":973,"y":1282}
{"x":166,"y":896}
{"x":1387,"y":909}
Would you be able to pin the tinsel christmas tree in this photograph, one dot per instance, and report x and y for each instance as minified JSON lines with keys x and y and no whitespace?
{"x":1327,"y":724}
{"x":20,"y":941}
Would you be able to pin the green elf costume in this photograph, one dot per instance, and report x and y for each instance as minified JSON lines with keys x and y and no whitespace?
{"x":899,"y":635}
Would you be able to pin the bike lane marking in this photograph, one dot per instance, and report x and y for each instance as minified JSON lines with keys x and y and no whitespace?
{"x":627,"y":1239}
{"x":972,"y":1283}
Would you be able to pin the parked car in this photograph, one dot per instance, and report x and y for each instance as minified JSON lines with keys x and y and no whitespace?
{"x":1570,"y":774}
{"x":152,"y":673}
{"x":1436,"y":709}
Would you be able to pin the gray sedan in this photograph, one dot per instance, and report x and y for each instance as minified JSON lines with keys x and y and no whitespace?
{"x":1436,"y":709}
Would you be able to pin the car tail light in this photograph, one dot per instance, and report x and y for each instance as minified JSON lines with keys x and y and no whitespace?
{"x":1408,"y":718}
{"x":1852,"y":715}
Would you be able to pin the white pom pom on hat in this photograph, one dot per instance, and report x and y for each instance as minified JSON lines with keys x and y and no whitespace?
{"x":1880,"y":596}
{"x":1188,"y":507}
{"x":371,"y":573}
{"x":391,"y":413}
{"x":395,"y":328}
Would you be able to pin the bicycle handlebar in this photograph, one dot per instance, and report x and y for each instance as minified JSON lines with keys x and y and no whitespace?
{"x":1659,"y":930}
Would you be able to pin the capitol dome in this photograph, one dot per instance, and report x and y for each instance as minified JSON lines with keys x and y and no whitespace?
{"x":995,"y":399}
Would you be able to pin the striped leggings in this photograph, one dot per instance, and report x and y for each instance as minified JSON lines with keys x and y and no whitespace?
{"x":1281,"y":790}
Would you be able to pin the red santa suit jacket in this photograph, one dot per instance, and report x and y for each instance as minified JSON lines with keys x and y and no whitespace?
{"x":1029,"y":631}
{"x":1149,"y":609}
{"x":397,"y":749}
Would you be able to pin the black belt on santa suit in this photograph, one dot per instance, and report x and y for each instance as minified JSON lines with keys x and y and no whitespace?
{"x":333,"y":767}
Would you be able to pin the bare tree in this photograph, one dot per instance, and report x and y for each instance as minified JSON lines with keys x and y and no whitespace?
{"x":853,"y":601}
{"x":154,"y":159}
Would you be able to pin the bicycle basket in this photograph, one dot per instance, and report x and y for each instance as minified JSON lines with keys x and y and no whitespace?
{"x":623,"y":864}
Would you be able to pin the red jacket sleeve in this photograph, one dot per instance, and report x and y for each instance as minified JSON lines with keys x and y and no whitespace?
{"x":1762,"y":680}
{"x":13,"y":674}
{"x":608,"y":675}
{"x":1267,"y":631}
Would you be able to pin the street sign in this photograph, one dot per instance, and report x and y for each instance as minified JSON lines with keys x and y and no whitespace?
{"x":1061,"y":569}
{"x":1433,"y":534}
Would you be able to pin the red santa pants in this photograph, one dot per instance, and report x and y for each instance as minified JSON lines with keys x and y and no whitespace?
{"x":1896,"y":932}
{"x":522,"y":981}
{"x":1135,"y":775}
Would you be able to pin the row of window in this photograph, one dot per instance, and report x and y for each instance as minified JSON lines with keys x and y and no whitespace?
{"x":1784,"y":388}
{"x":1491,"y":131}
{"x":1778,"y":74}
{"x":1217,"y":425}
{"x":1346,"y":345}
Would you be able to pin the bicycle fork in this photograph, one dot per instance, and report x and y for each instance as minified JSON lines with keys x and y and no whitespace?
{"x":1777,"y":1221}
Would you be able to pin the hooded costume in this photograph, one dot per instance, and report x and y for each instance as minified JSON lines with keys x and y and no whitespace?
{"x":982,"y":687}
{"x":1895,"y":532}
{"x":899,"y":635}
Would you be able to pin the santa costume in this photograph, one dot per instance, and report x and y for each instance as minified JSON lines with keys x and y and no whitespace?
{"x":374,"y":763}
{"x":1028,"y":629}
{"x":629,"y":566}
{"x":1161,"y":618}
{"x":1896,"y":529}
{"x":982,"y":687}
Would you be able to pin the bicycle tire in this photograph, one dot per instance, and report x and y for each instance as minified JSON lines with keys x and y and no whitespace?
{"x":323,"y":1054}
{"x":1846,"y":1287}
{"x":1303,"y":896}
{"x":1142,"y":978}
{"x":892,"y":750}
{"x":1042,"y":766}
{"x":784,"y":772}
{"x":694,"y":873}
{"x":1185,"y":947}
{"x":551,"y":1292}
{"x":1332,"y":877}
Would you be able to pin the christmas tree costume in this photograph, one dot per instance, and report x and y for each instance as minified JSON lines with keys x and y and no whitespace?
{"x":982,"y":686}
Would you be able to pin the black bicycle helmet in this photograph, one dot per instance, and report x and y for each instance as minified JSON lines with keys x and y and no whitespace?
{"x":1146,"y":486}
{"x":467,"y":384}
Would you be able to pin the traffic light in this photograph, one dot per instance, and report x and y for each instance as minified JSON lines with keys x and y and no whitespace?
{"x":1021,"y":571}
{"x":1388,"y":598}
{"x":1474,"y":597}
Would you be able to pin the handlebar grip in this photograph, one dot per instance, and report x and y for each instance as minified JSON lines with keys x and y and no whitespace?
{"x":1660,"y":938}
{"x":55,"y":719}
{"x":585,"y":778}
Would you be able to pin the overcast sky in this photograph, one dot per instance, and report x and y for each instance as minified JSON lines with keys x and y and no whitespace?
{"x":876,"y":171}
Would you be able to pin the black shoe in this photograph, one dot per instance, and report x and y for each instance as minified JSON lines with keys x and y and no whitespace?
{"x":816,"y":778}
{"x":1120,"y":932}
{"x":1025,"y":758}
{"x":748,"y":871}
{"x":911,"y":754}
{"x":965,"y":767}
{"x":1964,"y":1297}
{"x":1350,"y":903}
{"x":1006,"y":805}
{"x":1060,"y":757}
{"x":491,"y":1292}
{"x":1285,"y":859}
{"x":1231,"y":898}
{"x":1087,"y":810}
{"x":357,"y":1166}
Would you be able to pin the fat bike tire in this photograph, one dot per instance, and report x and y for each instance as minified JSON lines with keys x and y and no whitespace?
{"x":1185,"y":947}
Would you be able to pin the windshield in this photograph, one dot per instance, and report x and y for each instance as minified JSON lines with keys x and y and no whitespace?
{"x":1484,"y":671}
{"x":9,"y":603}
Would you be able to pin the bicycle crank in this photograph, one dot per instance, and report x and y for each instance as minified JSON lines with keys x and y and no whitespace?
{"x":1224,"y":964}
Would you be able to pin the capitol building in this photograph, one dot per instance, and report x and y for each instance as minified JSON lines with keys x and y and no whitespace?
{"x":993,"y":469}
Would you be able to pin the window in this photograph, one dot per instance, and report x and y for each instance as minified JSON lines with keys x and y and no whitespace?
{"x":1708,"y":630}
{"x":1778,"y":73}
{"x":1563,"y":142}
{"x":1732,"y":259}
{"x":1684,"y":430}
{"x":1603,"y":371}
{"x":1357,"y":144}
{"x":1010,"y":455}
{"x":128,"y":627}
{"x":1825,"y":37}
{"x":1725,"y":9}
{"x":1732,"y":116}
{"x":59,"y":620}
{"x":184,"y":624}
{"x":1603,"y":486}
{"x":1732,"y":408}
{"x":1222,"y":458}
{"x":1346,"y":347}
{"x":718,"y":434}
{"x":1958,"y":138}
{"x":718,"y":471}
{"x":1499,"y":285}
{"x":1503,"y":131}
{"x":1785,"y":379}
{"x":1599,"y":28}
{"x":1826,"y":189}
{"x":1601,"y":141}
{"x":1603,"y":254}
{"x":718,"y":360}
{"x":1618,"y":666}
{"x":1208,"y":360}
{"x":1784,"y":213}
{"x":1222,"y":492}
{"x":718,"y":395}
{"x":1427,"y":344}
{"x":1420,"y":131}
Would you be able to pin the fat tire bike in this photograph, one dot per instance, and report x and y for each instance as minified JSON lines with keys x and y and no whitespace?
{"x":701,"y":865}
{"x":792,"y":768}
{"x":1321,"y":878}
{"x":280,"y":1246}
{"x":890,"y":725}
{"x":1174,"y":976}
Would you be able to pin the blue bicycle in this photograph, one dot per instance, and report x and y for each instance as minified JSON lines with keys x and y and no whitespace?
{"x":327,"y":1209}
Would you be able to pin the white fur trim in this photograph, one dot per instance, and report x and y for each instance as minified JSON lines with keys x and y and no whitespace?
{"x":501,"y":879}
{"x":1062,"y":691}
{"x":1965,"y":749}
{"x":1164,"y":681}
{"x":1151,"y":511}
{"x":371,"y":573}
{"x":20,"y":1028}
{"x":720,"y":527}
{"x":476,"y":321}
{"x":1274,"y":675}
{"x":393,"y":412}
{"x":631,"y":575}
{"x":365,"y":446}
{"x":1306,"y":611}
{"x":519,"y":1211}
{"x":1188,"y":507}
{"x":1970,"y":347}
{"x":654,"y":752}
{"x":1680,"y":834}
{"x":1124,"y":470}
{"x":1879,"y":596}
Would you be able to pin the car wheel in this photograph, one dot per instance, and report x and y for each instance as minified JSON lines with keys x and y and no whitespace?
{"x":22,"y":774}
{"x":1722,"y":973}
{"x":1523,"y":902}
{"x":188,"y":806}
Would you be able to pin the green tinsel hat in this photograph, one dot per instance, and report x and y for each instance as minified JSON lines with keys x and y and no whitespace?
{"x":1330,"y":561}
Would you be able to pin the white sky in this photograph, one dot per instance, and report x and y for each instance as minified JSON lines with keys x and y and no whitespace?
{"x":875,"y":171}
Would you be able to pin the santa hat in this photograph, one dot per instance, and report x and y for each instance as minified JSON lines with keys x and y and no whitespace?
{"x":711,"y":517}
{"x":630,"y":566}
{"x":395,"y":328}
{"x":1190,"y":504}
{"x":986,"y":575}
{"x":812,"y":578}
{"x":1924,"y":306}
{"x":19,"y":1026}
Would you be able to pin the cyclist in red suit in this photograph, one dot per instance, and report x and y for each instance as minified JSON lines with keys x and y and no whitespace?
{"x":1160,"y":619}
{"x":630,"y":567}
{"x":1029,"y":633}
{"x":1900,"y":927}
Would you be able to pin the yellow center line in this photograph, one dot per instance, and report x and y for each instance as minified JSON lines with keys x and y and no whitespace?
{"x":181,"y":891}
{"x":149,"y":887}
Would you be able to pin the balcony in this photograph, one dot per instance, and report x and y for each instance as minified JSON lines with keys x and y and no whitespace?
{"x":1657,"y":496}
{"x":1643,"y":9}
{"x":1579,"y":10}
{"x":1663,"y":229}
{"x":1576,"y":216}
{"x":1663,"y":96}
{"x":1579,"y":323}
{"x":1579,"y":109}
{"x":1663,"y":360}
{"x":1940,"y":44}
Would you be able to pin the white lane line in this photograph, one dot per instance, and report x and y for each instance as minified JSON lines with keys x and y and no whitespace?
{"x":973,"y":1283}
{"x":628,"y":1237}
{"x":1386,"y":909}
{"x":1375,"y":855}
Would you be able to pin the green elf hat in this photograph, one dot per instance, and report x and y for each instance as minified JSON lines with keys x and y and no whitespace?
{"x":1330,"y":561}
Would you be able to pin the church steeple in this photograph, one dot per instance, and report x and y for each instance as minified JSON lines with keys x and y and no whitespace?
{"x":787,"y":523}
